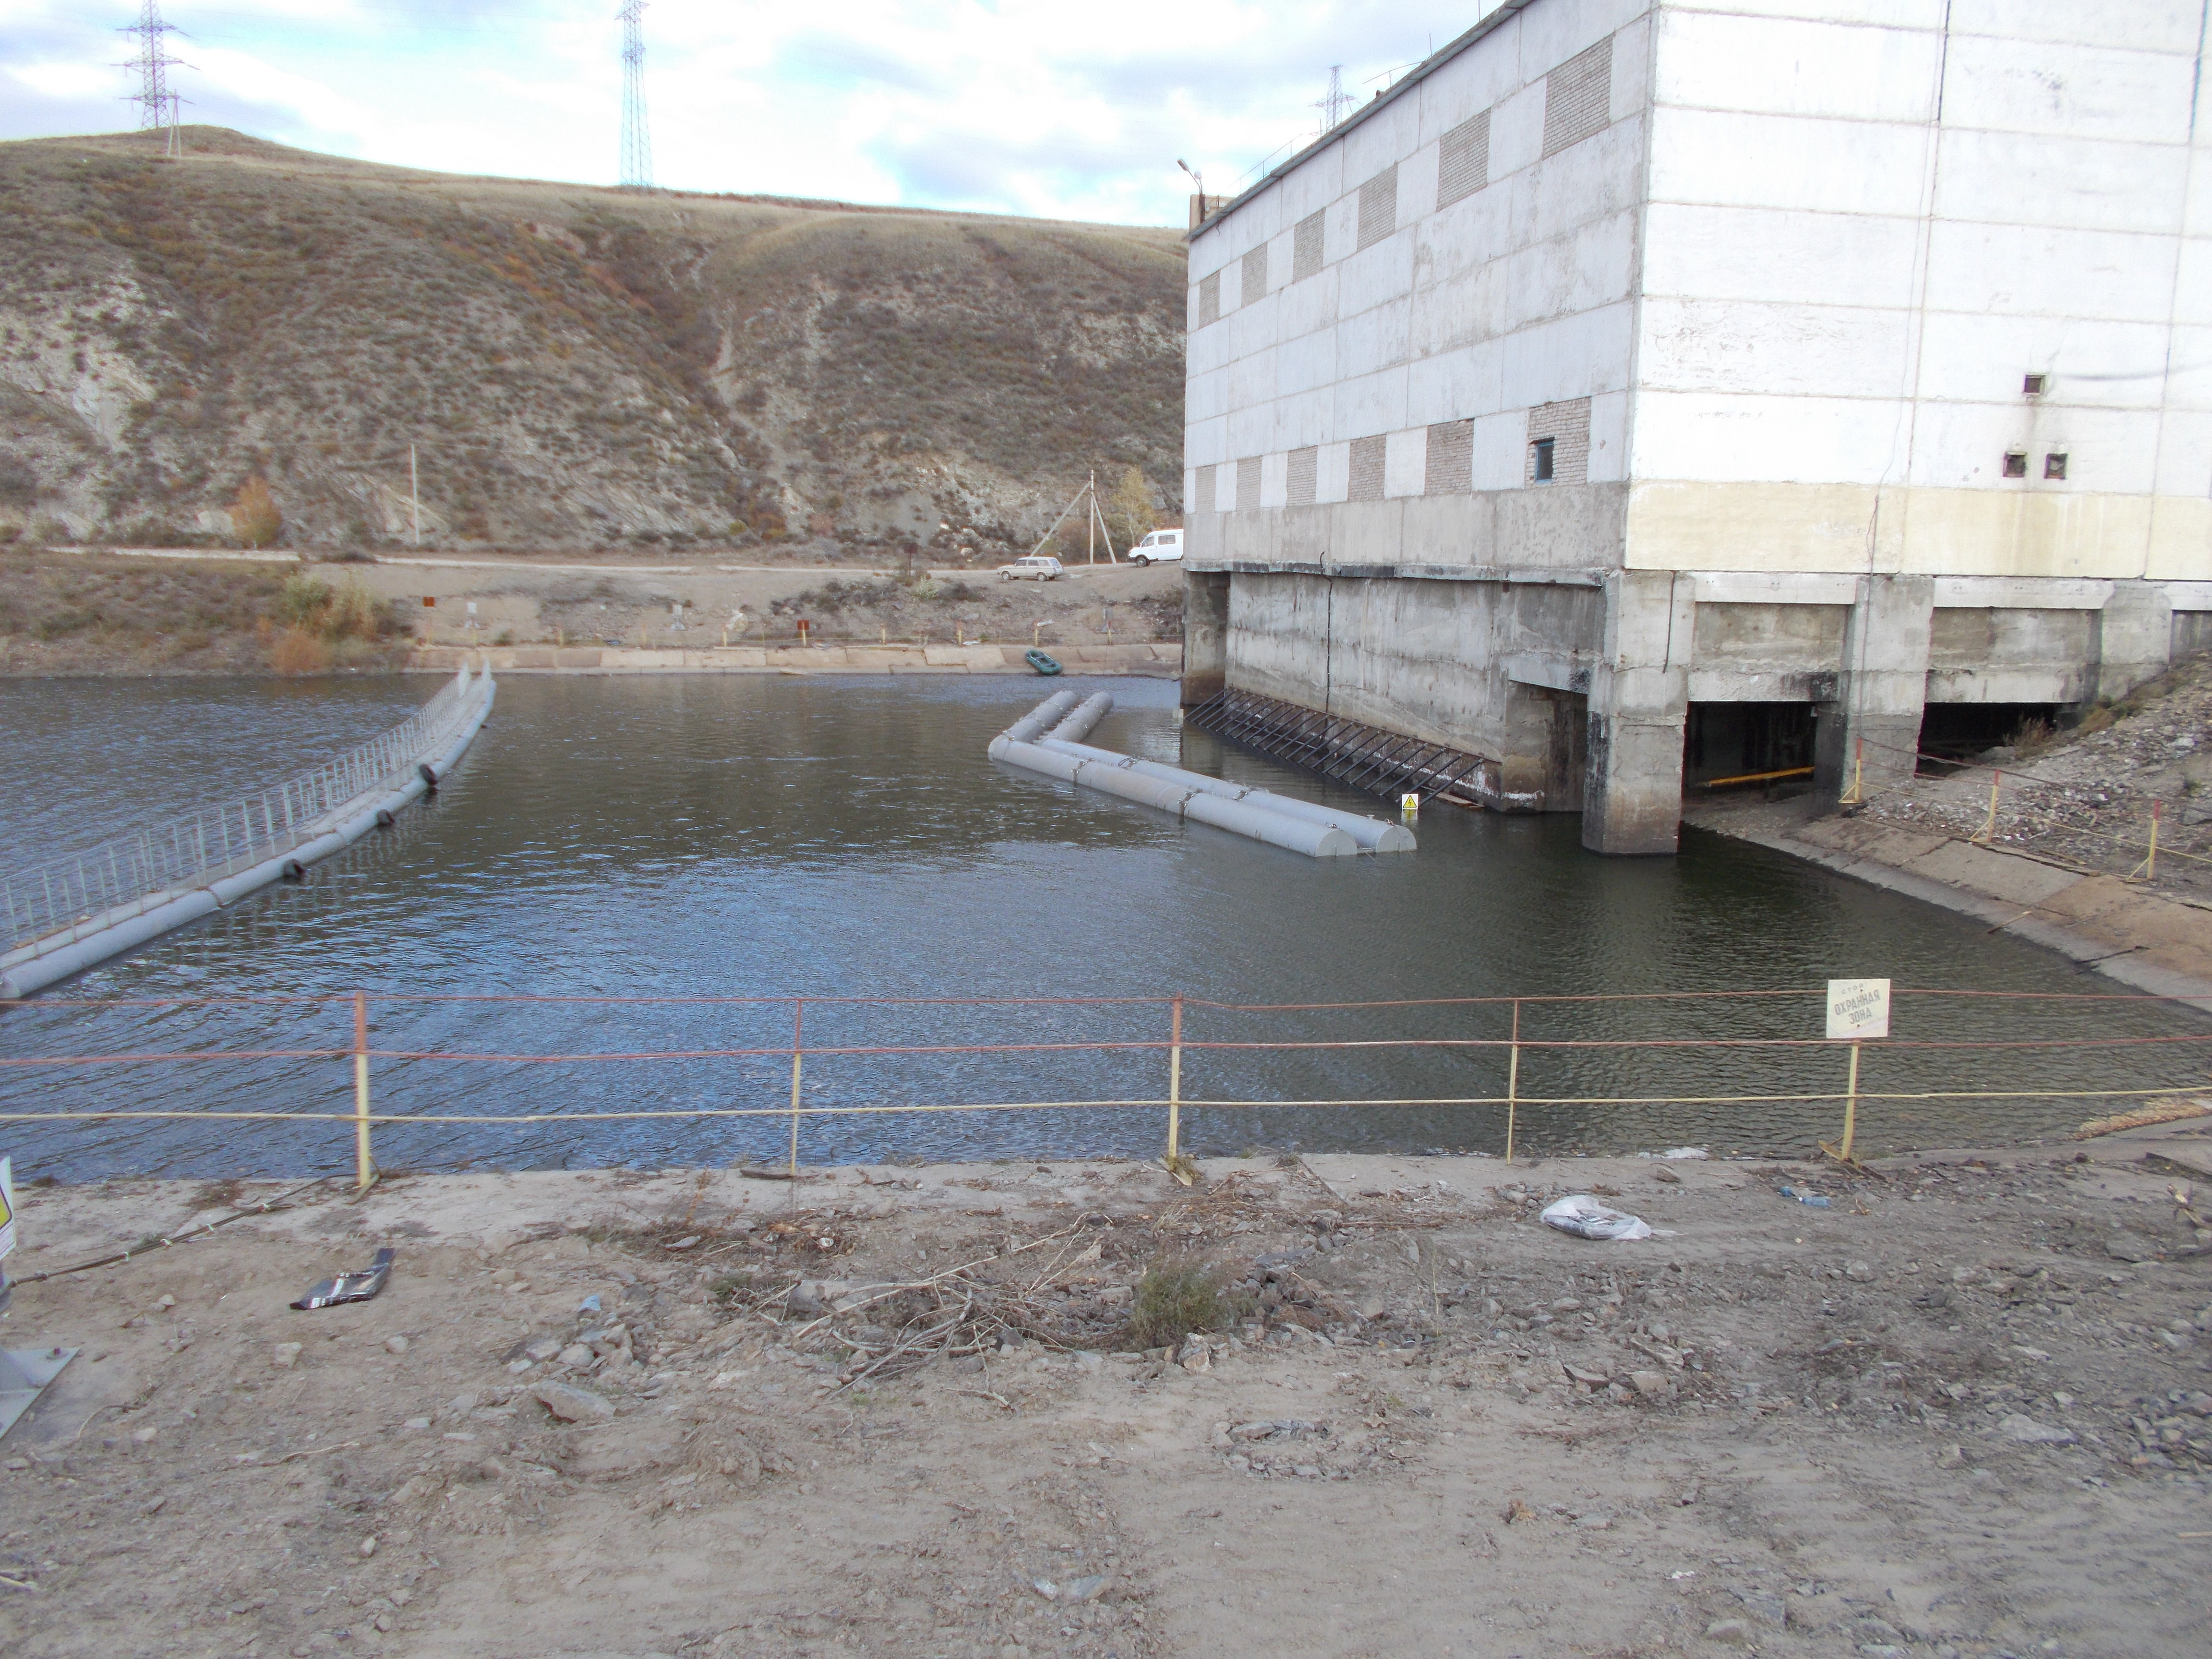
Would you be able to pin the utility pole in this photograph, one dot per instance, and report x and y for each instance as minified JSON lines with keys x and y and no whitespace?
{"x":415,"y":493}
{"x":636,"y":135}
{"x":157,"y":104}
{"x":1090,"y":528}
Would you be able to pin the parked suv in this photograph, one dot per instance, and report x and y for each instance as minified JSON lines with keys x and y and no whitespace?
{"x":1163,"y":546}
{"x":1040,"y":567}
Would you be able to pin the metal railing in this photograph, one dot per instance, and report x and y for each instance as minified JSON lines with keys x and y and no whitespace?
{"x":1766,"y":1057}
{"x":133,"y":873}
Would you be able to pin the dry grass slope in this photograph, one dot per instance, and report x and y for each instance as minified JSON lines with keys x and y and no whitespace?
{"x":579,"y":367}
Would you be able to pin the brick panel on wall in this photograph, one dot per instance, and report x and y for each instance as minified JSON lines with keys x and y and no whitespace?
{"x":1209,"y":493}
{"x":1367,"y":469}
{"x":1578,"y":97}
{"x":1463,"y":160}
{"x":1378,"y":206}
{"x":1254,"y":282}
{"x":1567,"y":425}
{"x":1248,"y":483}
{"x":1306,"y":248}
{"x":1305,"y":469}
{"x":1450,"y":458}
{"x":1209,"y":299}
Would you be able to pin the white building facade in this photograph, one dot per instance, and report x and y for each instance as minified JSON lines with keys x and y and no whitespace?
{"x":1636,"y":382}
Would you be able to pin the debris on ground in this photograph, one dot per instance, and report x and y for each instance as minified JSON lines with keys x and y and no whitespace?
{"x":910,"y":1417}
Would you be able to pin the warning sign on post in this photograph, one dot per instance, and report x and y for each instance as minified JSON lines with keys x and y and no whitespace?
{"x":7,"y":1205}
{"x":1858,"y":1010}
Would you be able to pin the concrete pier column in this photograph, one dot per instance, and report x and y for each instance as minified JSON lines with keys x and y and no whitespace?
{"x":1638,"y":704}
{"x":1205,"y":635}
{"x":2134,"y":637}
{"x":1872,"y":731}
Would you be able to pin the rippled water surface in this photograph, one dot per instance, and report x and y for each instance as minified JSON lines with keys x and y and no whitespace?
{"x":747,"y":836}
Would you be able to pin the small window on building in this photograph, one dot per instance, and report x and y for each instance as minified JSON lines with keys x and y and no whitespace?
{"x":1540,"y":459}
{"x":2054,"y":465}
{"x":2015,"y":463}
{"x":2034,"y":385}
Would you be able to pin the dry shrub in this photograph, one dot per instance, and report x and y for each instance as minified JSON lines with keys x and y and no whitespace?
{"x":254,"y":519}
{"x":1176,"y":1296}
{"x":297,"y":650}
{"x":2033,"y":738}
{"x":349,"y":611}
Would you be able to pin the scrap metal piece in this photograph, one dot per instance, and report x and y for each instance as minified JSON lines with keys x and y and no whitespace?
{"x":357,"y":1285}
{"x":24,"y":1374}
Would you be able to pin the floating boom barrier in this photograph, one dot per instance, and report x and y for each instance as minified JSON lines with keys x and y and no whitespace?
{"x":1048,"y":740}
{"x":63,"y":917}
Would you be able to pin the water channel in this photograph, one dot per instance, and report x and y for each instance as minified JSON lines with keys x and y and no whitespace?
{"x":683,"y":837}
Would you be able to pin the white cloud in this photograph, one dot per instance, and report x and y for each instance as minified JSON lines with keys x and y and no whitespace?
{"x":1020,"y":107}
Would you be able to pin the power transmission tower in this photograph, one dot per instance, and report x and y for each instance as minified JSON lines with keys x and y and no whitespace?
{"x":636,"y":135}
{"x":1338,"y":104}
{"x":157,"y":104}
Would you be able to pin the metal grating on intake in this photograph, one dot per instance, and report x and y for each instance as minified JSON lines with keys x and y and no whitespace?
{"x":1578,"y":97}
{"x":1252,"y":284}
{"x":1306,"y":248}
{"x":1209,"y":490}
{"x":1209,"y":299}
{"x":1463,"y":160}
{"x":1248,"y":483}
{"x":1304,"y":470}
{"x":1378,"y":206}
{"x":1360,"y":756}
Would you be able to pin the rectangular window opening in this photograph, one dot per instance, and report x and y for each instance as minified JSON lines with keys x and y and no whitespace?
{"x":1540,"y":459}
{"x":2054,"y":465}
{"x":2034,"y":385}
{"x":2015,"y":463}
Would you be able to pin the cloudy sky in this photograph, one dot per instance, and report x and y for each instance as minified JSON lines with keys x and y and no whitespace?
{"x":1031,"y":106}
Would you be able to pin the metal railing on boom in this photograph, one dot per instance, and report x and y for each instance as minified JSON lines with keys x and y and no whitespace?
{"x":150,"y":864}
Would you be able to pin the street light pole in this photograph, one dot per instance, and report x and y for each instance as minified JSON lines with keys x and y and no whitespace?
{"x":1198,"y":179}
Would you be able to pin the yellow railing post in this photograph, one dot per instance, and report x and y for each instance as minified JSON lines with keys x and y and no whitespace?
{"x":1513,"y":1082}
{"x":1988,"y":832}
{"x":364,"y":1167}
{"x":798,"y":1027}
{"x":1175,"y":1086}
{"x":1851,"y":1108}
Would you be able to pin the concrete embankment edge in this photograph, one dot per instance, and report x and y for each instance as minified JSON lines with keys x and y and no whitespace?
{"x":73,"y":958}
{"x":2114,"y":951}
{"x":1154,"y":661}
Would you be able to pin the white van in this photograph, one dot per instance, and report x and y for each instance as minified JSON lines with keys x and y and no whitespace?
{"x":1163,"y":546}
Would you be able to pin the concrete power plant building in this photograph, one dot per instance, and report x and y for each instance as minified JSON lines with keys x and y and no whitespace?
{"x":1637,"y":394}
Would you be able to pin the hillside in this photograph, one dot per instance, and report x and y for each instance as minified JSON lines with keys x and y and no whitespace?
{"x":579,"y":368}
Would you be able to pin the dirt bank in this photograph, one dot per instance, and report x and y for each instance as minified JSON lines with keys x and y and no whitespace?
{"x":1960,"y":1411}
{"x":63,"y":613}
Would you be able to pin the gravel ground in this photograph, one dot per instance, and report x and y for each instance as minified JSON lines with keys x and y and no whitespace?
{"x":2085,"y":798}
{"x":1960,"y":1410}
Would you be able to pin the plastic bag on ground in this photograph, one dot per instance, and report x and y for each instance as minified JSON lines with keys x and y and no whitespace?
{"x":1585,"y":1218}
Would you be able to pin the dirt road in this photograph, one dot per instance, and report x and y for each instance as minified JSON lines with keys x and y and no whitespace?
{"x":1960,"y":1411}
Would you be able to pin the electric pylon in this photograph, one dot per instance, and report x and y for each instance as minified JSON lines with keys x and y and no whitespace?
{"x":157,"y":103}
{"x":636,"y":135}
